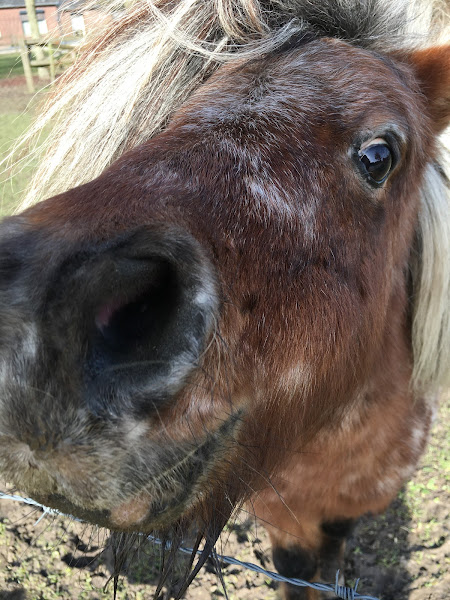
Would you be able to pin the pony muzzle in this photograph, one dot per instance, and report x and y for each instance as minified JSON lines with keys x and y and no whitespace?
{"x":106,"y":334}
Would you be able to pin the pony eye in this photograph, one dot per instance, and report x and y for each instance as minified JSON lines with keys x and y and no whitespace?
{"x":377,"y":161}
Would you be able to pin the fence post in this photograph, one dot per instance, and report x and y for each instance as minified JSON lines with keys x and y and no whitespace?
{"x":26,"y":66}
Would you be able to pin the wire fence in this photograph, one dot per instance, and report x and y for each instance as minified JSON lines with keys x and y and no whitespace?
{"x":341,"y":591}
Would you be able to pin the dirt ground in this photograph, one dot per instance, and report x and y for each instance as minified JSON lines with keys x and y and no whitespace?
{"x":403,"y":554}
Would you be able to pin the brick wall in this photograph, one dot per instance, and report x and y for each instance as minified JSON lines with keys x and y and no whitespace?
{"x":11,"y":29}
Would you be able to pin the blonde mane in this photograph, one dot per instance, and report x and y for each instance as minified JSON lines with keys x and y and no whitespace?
{"x":135,"y":73}
{"x":431,"y":278}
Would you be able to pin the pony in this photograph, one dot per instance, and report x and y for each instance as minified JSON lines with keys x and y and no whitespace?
{"x":229,"y":281}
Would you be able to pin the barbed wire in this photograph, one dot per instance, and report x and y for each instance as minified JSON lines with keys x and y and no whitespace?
{"x":341,"y":591}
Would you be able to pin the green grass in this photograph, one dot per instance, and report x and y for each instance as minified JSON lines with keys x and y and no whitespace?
{"x":12,"y":125}
{"x":10,"y":65}
{"x":15,"y":118}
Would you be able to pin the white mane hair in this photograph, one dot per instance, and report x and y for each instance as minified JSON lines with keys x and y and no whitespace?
{"x":137,"y":70}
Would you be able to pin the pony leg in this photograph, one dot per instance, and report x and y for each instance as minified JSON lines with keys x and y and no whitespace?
{"x":296,"y":561}
{"x":304,"y":545}
{"x":315,"y":555}
{"x":314,"y":499}
{"x":332,"y":549}
{"x":297,"y":557}
{"x":296,"y":544}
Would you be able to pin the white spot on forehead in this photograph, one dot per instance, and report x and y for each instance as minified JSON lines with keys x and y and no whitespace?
{"x":268,"y":196}
{"x":270,"y":201}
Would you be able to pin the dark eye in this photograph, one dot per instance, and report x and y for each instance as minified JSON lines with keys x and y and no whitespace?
{"x":377,"y":161}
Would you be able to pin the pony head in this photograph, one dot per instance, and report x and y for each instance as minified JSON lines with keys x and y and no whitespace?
{"x":229,"y":272}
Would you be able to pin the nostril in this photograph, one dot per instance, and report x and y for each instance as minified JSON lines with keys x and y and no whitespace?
{"x":143,"y":324}
{"x":123,"y":323}
{"x":138,"y":321}
{"x":105,"y":313}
